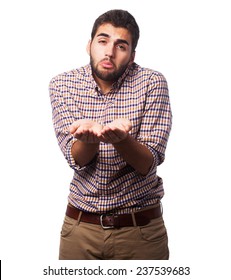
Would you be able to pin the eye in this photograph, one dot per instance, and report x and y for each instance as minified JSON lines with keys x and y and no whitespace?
{"x":102,"y":41}
{"x":121,"y":47}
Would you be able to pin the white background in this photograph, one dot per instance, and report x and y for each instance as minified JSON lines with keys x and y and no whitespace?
{"x":189,"y":42}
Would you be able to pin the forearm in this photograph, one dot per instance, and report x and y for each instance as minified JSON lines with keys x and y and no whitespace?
{"x":83,"y":153}
{"x":135,"y":154}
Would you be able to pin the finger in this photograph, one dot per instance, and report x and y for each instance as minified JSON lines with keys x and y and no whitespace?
{"x":92,"y":138}
{"x":73,"y":127}
{"x":84,"y":136}
{"x":113,"y":136}
{"x":127,"y":128}
{"x":95,"y":139}
{"x":80,"y":133}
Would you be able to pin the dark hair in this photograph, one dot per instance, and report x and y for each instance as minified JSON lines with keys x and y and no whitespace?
{"x":119,"y":18}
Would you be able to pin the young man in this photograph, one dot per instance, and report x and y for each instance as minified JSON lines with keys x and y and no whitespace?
{"x":112,"y":119}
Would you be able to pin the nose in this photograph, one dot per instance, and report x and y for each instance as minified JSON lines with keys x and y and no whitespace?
{"x":110,"y":51}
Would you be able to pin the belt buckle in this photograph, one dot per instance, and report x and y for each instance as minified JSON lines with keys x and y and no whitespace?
{"x":101,"y":221}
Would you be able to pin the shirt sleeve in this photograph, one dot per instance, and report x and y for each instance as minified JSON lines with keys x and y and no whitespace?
{"x":63,"y":118}
{"x":157,"y":118}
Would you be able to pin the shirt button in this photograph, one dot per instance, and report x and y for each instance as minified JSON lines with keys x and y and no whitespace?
{"x":109,"y":104}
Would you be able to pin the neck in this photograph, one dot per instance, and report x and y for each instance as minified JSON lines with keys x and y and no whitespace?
{"x":105,"y":86}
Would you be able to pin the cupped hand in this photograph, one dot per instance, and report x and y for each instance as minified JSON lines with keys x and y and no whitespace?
{"x":86,"y":130}
{"x":115,"y":131}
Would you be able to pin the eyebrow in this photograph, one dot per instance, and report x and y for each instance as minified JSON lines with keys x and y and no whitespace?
{"x":118,"y":41}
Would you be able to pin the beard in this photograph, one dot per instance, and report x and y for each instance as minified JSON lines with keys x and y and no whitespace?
{"x":105,"y":75}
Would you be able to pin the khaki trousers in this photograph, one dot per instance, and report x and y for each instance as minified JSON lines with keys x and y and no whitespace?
{"x":84,"y":241}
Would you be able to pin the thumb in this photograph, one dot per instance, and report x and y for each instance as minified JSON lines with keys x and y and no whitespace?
{"x":73,"y":127}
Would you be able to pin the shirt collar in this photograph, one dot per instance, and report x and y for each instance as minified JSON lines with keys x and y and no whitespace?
{"x":116,"y":84}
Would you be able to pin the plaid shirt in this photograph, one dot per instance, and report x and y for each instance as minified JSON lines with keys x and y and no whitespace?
{"x":108,"y":183}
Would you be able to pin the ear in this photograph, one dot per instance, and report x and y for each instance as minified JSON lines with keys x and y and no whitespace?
{"x":132,"y":57}
{"x":88,"y":48}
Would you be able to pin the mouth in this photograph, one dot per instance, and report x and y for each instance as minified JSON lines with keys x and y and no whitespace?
{"x":107,"y":64}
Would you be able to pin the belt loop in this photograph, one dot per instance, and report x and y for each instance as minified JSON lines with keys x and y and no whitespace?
{"x":79,"y":217}
{"x":161,"y":208}
{"x":133,"y":219}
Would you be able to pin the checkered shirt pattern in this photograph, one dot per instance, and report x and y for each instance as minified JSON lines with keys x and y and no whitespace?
{"x":108,"y":183}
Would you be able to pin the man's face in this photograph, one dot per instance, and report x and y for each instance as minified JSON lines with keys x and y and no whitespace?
{"x":110,"y":52}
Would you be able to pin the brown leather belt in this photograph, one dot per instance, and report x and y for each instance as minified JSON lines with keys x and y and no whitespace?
{"x":110,"y":221}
